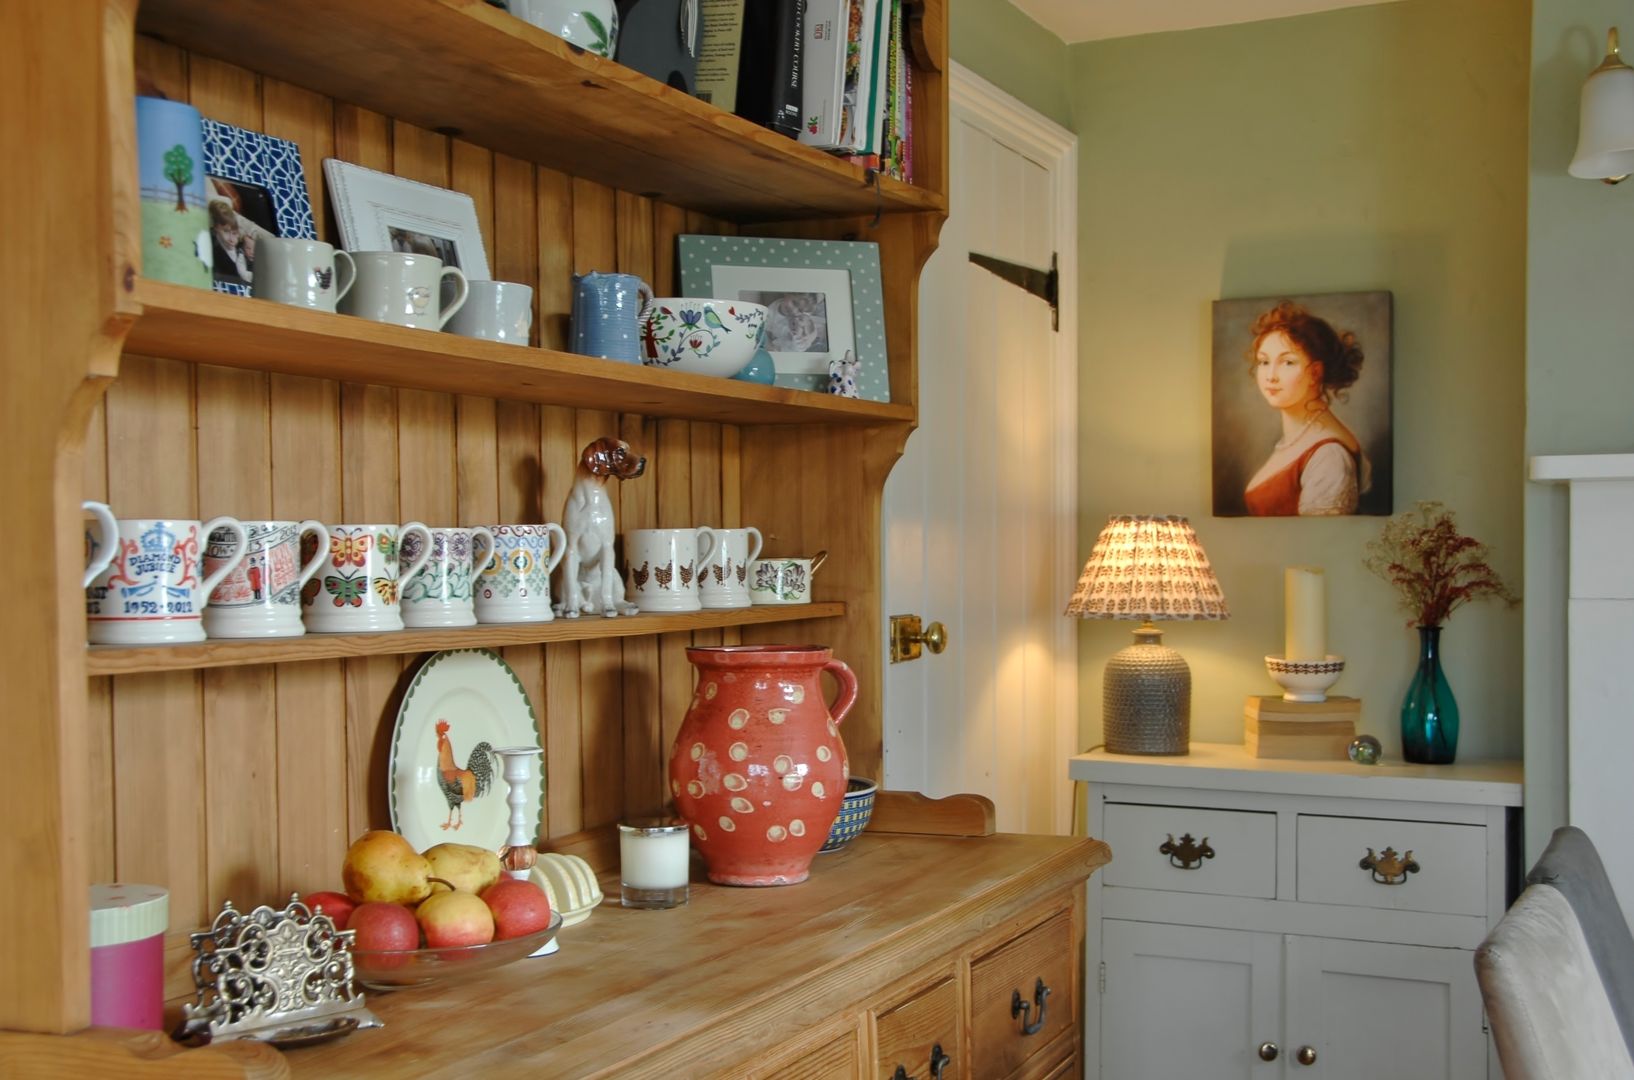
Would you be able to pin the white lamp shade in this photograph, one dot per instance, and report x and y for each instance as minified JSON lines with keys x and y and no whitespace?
{"x":1605,"y":125}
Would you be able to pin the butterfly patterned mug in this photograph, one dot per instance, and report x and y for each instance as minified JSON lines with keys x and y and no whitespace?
{"x":665,"y":564}
{"x":356,"y":588}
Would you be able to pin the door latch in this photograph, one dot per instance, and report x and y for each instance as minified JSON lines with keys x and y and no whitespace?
{"x":907,"y":635}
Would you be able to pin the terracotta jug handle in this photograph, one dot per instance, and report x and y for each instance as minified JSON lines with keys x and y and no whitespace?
{"x":848,"y":689}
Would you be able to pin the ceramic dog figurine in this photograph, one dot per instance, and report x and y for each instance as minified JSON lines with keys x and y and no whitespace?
{"x":590,"y":580}
{"x":842,"y":375}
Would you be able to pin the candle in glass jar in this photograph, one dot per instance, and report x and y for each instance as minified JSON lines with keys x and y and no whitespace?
{"x":1304,"y":613}
{"x":653,"y":862}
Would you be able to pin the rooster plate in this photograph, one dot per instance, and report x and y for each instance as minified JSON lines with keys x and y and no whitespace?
{"x":445,"y":781}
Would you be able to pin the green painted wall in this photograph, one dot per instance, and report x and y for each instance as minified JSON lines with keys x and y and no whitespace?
{"x":997,"y":41}
{"x":1579,"y":375}
{"x":1373,"y":148}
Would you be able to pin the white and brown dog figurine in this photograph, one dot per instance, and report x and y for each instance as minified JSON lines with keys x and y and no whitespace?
{"x":590,"y":580}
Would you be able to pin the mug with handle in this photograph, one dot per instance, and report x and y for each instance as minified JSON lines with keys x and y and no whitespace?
{"x":261,"y":596}
{"x":154,"y":589}
{"x":440,"y":595}
{"x":404,"y":288}
{"x":515,"y":588}
{"x":303,"y":273}
{"x":723,"y":578}
{"x":357,"y":588}
{"x":607,"y":315}
{"x":665,"y":565}
{"x":783,"y":581}
{"x":100,"y":549}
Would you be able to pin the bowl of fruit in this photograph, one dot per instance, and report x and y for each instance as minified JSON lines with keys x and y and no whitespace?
{"x":446,"y":913}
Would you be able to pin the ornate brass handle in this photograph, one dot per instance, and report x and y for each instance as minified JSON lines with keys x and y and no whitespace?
{"x":1187,"y":854}
{"x":938,"y":1062}
{"x":1388,"y":868}
{"x":1041,"y":994}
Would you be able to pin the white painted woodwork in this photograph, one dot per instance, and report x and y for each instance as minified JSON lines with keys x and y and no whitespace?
{"x":978,"y":518}
{"x":1378,"y":979}
{"x":1245,"y":847}
{"x":1599,"y":643}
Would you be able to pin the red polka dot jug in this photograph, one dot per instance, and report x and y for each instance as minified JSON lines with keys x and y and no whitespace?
{"x":758,"y":769}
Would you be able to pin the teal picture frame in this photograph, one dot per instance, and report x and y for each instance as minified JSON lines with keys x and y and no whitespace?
{"x":850,"y":313}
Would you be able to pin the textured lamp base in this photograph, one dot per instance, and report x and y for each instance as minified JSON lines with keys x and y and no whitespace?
{"x":1146,"y":698}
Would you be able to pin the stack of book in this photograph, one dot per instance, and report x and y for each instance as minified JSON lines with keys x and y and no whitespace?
{"x":832,"y":73}
{"x":1307,"y":731}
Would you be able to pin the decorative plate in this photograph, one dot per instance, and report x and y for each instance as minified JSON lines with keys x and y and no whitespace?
{"x":446,"y":783}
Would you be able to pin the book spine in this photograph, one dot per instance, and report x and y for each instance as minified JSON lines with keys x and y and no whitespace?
{"x":719,"y":53}
{"x":824,"y":56}
{"x":771,"y":66}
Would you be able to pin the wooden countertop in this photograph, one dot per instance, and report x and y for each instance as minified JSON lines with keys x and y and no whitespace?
{"x":732,"y":973}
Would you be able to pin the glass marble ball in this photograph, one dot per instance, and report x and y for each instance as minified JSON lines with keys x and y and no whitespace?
{"x":1365,"y":750}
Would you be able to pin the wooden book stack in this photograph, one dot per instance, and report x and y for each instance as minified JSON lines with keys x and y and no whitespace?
{"x":1306,"y":730}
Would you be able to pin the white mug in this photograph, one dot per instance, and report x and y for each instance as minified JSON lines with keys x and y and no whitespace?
{"x":663,"y":566}
{"x":356,"y":589}
{"x":403,"y":288}
{"x":783,"y":581}
{"x":305,"y":273}
{"x":261,"y":594}
{"x":723,"y":578}
{"x":567,"y":19}
{"x":515,"y":588}
{"x":154,"y":589}
{"x":99,"y":549}
{"x":440,"y":594}
{"x":495,"y":311}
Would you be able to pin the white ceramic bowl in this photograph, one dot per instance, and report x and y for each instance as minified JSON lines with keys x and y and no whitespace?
{"x":700,"y":336}
{"x":1305,"y":680}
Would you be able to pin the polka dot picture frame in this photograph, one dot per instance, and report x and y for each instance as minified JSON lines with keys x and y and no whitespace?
{"x":253,"y":187}
{"x":823,"y":296}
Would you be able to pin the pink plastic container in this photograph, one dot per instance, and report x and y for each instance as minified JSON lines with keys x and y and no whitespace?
{"x":128,"y":955}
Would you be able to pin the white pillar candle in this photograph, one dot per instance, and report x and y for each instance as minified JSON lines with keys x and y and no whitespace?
{"x":1304,"y":613}
{"x":653,"y":862}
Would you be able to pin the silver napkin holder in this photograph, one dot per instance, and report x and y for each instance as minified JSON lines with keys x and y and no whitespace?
{"x":283,"y":977}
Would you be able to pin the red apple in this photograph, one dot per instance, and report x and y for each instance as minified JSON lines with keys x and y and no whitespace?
{"x":338,"y":906}
{"x":453,"y":919}
{"x":520,"y":907}
{"x":384,"y":927}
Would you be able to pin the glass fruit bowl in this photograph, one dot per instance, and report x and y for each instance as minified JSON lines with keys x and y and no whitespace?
{"x":395,"y":969}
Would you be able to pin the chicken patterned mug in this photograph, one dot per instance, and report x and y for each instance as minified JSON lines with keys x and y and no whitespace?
{"x":154,"y":589}
{"x":357,"y":588}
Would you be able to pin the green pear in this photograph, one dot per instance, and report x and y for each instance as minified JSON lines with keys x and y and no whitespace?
{"x":465,"y":867}
{"x":382,"y":866}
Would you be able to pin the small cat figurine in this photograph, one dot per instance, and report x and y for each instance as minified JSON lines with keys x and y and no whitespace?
{"x":842,"y":375}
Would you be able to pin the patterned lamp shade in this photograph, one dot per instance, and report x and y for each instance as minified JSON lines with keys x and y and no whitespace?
{"x":1148,"y":568}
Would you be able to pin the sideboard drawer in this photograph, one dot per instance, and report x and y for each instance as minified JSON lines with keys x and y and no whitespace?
{"x":1450,"y":862}
{"x":1035,"y":968}
{"x":911,"y":1034}
{"x":1240,"y":858}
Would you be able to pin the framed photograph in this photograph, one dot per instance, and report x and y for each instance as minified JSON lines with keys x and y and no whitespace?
{"x":1302,"y":406}
{"x":377,"y":211}
{"x":253,"y":187}
{"x":822,"y":297}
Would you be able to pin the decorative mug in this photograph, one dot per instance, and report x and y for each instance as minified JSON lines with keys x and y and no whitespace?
{"x":261,"y":594}
{"x":515,"y":588}
{"x":783,"y":581}
{"x":304,"y":273}
{"x":664,"y":566}
{"x":170,"y":167}
{"x":440,"y":595}
{"x":607,"y":314}
{"x":495,"y":311}
{"x":153,"y":590}
{"x":357,"y":590}
{"x":99,"y":549}
{"x":404,"y":288}
{"x":723,"y":578}
{"x":590,"y":24}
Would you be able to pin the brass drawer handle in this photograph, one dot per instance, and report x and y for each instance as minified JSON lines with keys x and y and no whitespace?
{"x":1388,"y":868}
{"x":1041,"y":994}
{"x":1188,"y":854}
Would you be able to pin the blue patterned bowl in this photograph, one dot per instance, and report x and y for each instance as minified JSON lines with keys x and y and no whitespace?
{"x":855,"y":811}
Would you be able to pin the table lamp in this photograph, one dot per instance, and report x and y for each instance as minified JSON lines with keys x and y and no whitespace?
{"x":1147,"y":568}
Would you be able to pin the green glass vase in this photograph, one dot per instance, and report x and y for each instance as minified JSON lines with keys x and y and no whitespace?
{"x":1429,"y":715}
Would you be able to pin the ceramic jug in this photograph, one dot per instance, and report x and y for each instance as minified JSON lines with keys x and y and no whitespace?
{"x":606,"y":314}
{"x":758,"y":769}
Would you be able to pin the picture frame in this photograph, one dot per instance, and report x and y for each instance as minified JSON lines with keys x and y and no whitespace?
{"x":824,"y":298}
{"x":376,"y":211}
{"x":1301,"y":405}
{"x":254,"y":185}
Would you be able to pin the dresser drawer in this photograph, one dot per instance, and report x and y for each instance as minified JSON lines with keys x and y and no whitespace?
{"x":911,"y":1034}
{"x":1038,"y":964}
{"x":1243,"y":845}
{"x":1450,"y":860}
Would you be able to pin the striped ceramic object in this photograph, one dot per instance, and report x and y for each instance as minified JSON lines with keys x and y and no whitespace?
{"x":855,"y":811}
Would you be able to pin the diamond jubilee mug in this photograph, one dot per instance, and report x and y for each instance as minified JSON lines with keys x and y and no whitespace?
{"x":154,"y":589}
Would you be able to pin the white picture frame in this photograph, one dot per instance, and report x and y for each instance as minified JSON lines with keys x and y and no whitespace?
{"x":377,"y":211}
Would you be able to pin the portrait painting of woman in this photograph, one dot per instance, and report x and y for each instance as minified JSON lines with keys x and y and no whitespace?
{"x":1302,"y":406}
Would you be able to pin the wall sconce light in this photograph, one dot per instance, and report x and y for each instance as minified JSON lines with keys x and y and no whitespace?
{"x":1605,"y":125}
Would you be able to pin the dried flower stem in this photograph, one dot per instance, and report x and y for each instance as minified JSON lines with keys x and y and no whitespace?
{"x":1435,"y":568}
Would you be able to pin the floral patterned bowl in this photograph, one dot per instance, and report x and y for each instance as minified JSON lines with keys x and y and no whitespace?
{"x":704,"y":337}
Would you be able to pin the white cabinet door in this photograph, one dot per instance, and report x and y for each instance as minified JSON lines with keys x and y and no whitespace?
{"x":1408,"y":1012}
{"x":1188,"y":1002}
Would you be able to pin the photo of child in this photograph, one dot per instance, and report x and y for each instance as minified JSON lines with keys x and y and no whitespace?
{"x":239,"y":215}
{"x":795,"y":321}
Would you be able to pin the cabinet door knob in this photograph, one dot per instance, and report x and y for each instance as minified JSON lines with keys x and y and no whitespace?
{"x":938,"y":1062}
{"x":1306,"y":1055}
{"x":1187,"y":853}
{"x":1269,"y":1051}
{"x":1021,"y":1008}
{"x":1387,"y":867}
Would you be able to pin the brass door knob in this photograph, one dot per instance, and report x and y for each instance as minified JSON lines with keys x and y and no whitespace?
{"x":908,"y":635}
{"x":1306,"y":1055}
{"x":1269,"y":1051}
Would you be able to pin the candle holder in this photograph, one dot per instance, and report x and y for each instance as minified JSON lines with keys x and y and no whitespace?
{"x":653,"y":862}
{"x":518,"y":855}
{"x":1305,"y":680}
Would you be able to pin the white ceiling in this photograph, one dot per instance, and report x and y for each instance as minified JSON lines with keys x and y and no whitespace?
{"x":1092,"y":20}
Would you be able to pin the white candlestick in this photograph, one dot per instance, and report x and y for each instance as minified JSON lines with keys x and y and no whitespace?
{"x":1304,"y":613}
{"x":518,"y":770}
